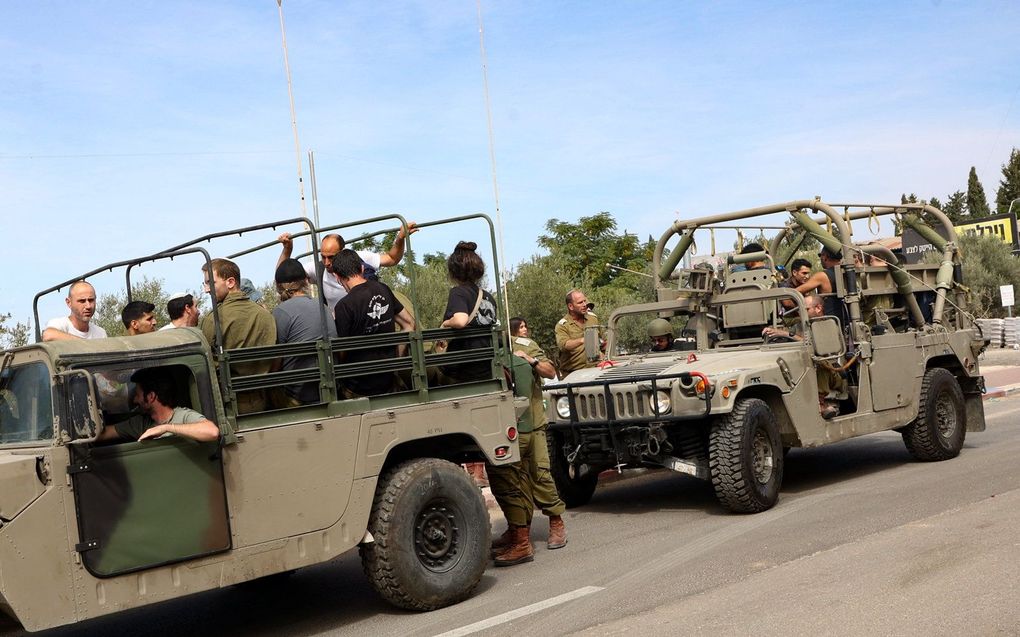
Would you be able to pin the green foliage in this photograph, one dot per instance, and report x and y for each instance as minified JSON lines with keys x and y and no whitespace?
{"x":432,"y":286}
{"x":537,"y":291}
{"x":14,"y":335}
{"x":977,"y":203}
{"x":584,"y":250}
{"x":987,"y":264}
{"x":109,"y":306}
{"x":955,"y":206}
{"x":1009,"y":185}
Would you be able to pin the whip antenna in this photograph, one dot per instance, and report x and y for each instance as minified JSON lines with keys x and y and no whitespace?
{"x":492,"y":159}
{"x":293,"y":112}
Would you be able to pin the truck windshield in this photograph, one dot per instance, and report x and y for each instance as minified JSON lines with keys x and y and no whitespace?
{"x":26,"y":404}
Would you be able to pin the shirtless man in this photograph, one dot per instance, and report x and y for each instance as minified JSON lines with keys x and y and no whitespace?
{"x":81,"y":300}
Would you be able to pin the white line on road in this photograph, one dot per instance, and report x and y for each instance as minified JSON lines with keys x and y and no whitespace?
{"x":521,"y":612}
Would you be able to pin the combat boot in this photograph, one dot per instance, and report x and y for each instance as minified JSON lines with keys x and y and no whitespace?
{"x":503,"y":541}
{"x":557,"y":533}
{"x":519,"y":551}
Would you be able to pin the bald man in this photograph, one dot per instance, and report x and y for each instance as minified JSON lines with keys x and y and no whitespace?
{"x":81,"y":300}
{"x":331,"y":246}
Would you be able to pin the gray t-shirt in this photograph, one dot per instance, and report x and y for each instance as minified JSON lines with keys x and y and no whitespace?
{"x":299,"y":319}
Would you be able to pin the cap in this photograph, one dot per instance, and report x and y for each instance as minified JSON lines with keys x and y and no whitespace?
{"x":178,"y":295}
{"x":248,"y":289}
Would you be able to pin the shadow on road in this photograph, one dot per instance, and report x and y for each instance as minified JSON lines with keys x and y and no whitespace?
{"x":310,"y":601}
{"x":648,"y":490}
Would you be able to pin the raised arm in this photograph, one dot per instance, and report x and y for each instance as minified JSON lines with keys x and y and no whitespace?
{"x":288,"y":248}
{"x":396,"y":251}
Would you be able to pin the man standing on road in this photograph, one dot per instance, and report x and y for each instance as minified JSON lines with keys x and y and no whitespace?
{"x":243,"y":324}
{"x":570,"y":333}
{"x":138,"y":317}
{"x":332,"y":244}
{"x":81,"y":300}
{"x":522,"y":486}
{"x":182,"y":311}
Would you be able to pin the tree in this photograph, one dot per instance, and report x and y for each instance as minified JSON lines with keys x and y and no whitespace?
{"x":13,"y":335}
{"x":987,"y":264}
{"x":1009,"y":185}
{"x":977,"y":203}
{"x":585,"y":249}
{"x":431,"y":289}
{"x":536,"y":290}
{"x":956,"y":206}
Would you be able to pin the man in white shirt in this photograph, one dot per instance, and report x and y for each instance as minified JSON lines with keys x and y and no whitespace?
{"x":182,"y":311}
{"x":81,"y":300}
{"x":332,"y":244}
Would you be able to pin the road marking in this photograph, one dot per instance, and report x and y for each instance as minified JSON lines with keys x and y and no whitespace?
{"x":521,"y":612}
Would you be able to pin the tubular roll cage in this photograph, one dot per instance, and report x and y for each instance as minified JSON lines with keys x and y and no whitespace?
{"x":328,"y":371}
{"x":838,"y":239}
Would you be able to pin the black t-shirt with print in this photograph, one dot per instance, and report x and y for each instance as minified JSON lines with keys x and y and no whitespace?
{"x":462,"y":299}
{"x":369,"y":308}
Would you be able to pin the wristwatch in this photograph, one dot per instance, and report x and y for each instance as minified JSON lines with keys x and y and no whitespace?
{"x":534,"y":363}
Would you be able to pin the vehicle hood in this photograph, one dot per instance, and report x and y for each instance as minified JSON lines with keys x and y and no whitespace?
{"x":711,"y":363}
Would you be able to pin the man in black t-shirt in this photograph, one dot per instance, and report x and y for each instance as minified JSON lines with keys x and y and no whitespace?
{"x":369,"y":308}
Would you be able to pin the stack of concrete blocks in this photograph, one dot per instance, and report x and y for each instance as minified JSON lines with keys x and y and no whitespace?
{"x":992,"y":330}
{"x":1010,"y":335}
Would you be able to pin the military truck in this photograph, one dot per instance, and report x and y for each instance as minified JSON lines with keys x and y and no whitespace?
{"x":88,"y":529}
{"x":898,"y":335}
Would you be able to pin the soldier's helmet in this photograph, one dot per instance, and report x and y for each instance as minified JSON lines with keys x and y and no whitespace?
{"x":659,"y":327}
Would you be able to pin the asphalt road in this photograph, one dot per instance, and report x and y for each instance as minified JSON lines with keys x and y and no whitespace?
{"x":864,"y":541}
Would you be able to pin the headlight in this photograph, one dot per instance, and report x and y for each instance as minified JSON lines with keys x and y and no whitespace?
{"x":563,"y":407}
{"x":661,"y":400}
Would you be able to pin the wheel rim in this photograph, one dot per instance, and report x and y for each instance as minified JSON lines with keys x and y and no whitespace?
{"x":945,"y":416}
{"x":762,"y":457}
{"x":437,"y":536}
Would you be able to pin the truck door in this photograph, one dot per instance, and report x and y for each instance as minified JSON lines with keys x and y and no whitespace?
{"x":141,"y":505}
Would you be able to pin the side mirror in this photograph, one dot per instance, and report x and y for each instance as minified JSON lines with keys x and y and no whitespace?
{"x":81,"y":421}
{"x":592,"y":346}
{"x":827,"y":337}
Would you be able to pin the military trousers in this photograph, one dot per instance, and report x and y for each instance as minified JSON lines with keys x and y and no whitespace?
{"x":521,"y":487}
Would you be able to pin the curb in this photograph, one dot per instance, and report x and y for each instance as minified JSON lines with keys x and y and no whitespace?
{"x":1000,"y":392}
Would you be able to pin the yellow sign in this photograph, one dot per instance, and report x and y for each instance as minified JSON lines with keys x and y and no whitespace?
{"x":1001,"y":226}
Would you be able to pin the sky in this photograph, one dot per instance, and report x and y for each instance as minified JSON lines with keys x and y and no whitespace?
{"x":128,"y":127}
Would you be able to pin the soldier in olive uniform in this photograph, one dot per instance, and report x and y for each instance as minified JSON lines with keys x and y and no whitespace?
{"x":521,"y":487}
{"x":570,"y":333}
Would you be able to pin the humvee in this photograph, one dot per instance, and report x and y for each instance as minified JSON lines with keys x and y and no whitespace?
{"x":729,"y":409}
{"x":88,"y":529}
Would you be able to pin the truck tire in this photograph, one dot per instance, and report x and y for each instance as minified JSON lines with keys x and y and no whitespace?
{"x":745,"y":457}
{"x":941,"y":424}
{"x":576,"y":491}
{"x":432,"y":535}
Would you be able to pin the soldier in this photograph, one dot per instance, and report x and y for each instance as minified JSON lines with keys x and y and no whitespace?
{"x":570,"y":332}
{"x":521,"y":487}
{"x":138,"y":317}
{"x":242,"y":323}
{"x":660,"y":332}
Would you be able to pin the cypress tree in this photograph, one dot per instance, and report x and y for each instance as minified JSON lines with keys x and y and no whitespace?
{"x":977,"y":203}
{"x":1009,"y":186}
